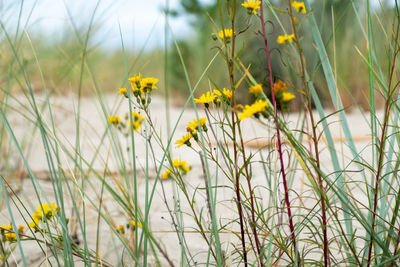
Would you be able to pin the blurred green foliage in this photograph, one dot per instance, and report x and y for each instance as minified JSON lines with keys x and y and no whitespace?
{"x":339,"y":28}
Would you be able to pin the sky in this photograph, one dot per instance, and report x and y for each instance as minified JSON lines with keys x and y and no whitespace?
{"x":141,"y":21}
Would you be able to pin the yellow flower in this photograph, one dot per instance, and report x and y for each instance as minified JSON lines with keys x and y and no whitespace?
{"x":37,"y":216}
{"x":205,"y":98}
{"x":122,"y":91}
{"x":299,"y":6}
{"x":136,"y":125}
{"x":256,"y":89}
{"x":46,"y":210}
{"x":193,"y":125}
{"x":139,"y":224}
{"x":33,"y":224}
{"x":137,"y":117}
{"x":6,"y":227}
{"x":287,"y":96}
{"x":225,"y":92}
{"x":8,"y":233}
{"x":136,"y":78}
{"x":252,"y":6}
{"x":120,"y":229}
{"x":282,"y":39}
{"x":10,"y":237}
{"x":225,"y":34}
{"x":21,"y":228}
{"x":149,"y":83}
{"x":166,"y":174}
{"x":185,"y":140}
{"x":279,"y":86}
{"x":181,"y":164}
{"x":249,"y":111}
{"x":114,"y":119}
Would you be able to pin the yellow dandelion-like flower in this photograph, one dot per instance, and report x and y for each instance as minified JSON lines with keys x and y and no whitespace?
{"x":114,"y":119}
{"x":193,"y":125}
{"x":137,"y":117}
{"x":279,"y":86}
{"x":225,"y":34}
{"x":299,"y":6}
{"x":185,"y":140}
{"x":47,"y":210}
{"x":256,"y":89}
{"x":205,"y":98}
{"x":136,"y":78}
{"x":37,"y":216}
{"x":203,"y":121}
{"x":6,"y":227}
{"x":217,"y":92}
{"x":287,"y":96}
{"x":256,"y":107}
{"x":10,"y":237}
{"x":166,"y":174}
{"x":181,"y":164}
{"x":282,"y":39}
{"x":252,"y":6}
{"x":136,"y":125}
{"x":122,"y":91}
{"x":225,"y":92}
{"x":149,"y":83}
{"x":139,"y":224}
{"x":33,"y":224}
{"x":21,"y":228}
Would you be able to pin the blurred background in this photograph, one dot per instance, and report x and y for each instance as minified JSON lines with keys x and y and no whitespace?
{"x":119,"y":37}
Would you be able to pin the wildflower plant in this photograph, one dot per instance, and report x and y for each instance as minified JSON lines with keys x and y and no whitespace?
{"x":283,"y":195}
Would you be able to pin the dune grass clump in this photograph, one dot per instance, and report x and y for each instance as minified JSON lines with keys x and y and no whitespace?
{"x":238,"y":183}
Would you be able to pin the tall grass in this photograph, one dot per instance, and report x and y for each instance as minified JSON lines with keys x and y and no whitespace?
{"x":243,"y":186}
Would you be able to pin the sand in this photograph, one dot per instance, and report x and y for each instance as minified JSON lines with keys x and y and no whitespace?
{"x":98,"y":150}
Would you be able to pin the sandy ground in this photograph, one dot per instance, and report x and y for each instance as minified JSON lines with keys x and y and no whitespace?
{"x":98,"y":151}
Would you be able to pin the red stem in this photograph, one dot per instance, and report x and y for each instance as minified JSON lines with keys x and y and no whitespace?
{"x":292,"y":235}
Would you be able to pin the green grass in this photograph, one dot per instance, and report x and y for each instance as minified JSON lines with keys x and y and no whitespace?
{"x":231,"y":208}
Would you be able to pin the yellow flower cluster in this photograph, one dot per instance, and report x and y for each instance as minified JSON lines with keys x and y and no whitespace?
{"x":121,"y":228}
{"x":192,"y":128}
{"x":181,"y":167}
{"x":166,"y":174}
{"x":8,"y":234}
{"x":142,"y":85}
{"x":215,"y":97}
{"x":225,"y":95}
{"x":122,"y":91}
{"x":252,"y":6}
{"x":114,"y":119}
{"x":141,"y":88}
{"x":282,"y":39}
{"x":257,"y":107}
{"x":225,"y":34}
{"x":281,"y":94}
{"x":185,"y":140}
{"x":137,"y":121}
{"x":206,"y":98}
{"x":45,"y":210}
{"x":279,"y":86}
{"x":255,"y":89}
{"x":139,"y":224}
{"x":299,"y":6}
